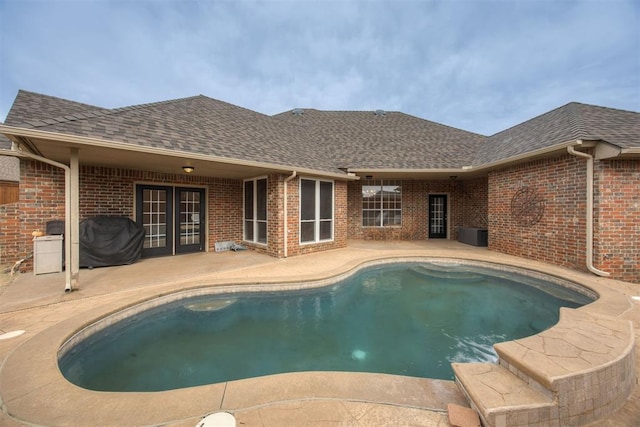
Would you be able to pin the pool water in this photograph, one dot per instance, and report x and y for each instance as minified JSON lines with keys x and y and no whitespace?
{"x":406,"y":319}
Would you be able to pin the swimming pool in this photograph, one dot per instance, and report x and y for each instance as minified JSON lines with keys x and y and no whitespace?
{"x":410,"y":319}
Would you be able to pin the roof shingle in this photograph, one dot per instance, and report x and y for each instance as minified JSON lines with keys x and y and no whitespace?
{"x":319,"y":140}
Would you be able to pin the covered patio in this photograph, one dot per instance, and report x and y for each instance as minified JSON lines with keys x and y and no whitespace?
{"x":40,"y":306}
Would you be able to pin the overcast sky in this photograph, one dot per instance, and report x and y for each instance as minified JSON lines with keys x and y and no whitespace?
{"x":479,"y":65}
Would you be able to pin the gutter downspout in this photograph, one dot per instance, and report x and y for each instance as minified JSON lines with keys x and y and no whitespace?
{"x":286,"y":222}
{"x":67,"y":208}
{"x":589,"y":158}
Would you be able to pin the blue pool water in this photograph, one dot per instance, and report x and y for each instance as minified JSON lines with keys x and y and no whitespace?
{"x":406,"y":318}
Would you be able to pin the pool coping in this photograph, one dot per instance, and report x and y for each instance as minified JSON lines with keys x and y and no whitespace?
{"x":29,"y":376}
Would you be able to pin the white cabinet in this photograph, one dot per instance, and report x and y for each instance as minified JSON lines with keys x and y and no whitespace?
{"x":47,"y":254}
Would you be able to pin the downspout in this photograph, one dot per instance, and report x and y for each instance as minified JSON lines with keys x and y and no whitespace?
{"x":286,"y":222}
{"x":67,"y":208}
{"x":589,"y":158}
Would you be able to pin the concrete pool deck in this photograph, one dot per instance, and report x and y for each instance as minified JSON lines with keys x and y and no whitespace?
{"x":33,"y":391}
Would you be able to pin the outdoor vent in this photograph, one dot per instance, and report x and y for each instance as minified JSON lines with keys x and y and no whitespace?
{"x":380,"y":113}
{"x":297,"y":111}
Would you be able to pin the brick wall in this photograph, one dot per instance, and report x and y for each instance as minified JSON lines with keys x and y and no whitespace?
{"x":467,"y":202}
{"x":339,"y":223}
{"x":41,"y":199}
{"x":617,"y":218}
{"x":559,"y":236}
{"x":105,"y":191}
{"x":475,"y":203}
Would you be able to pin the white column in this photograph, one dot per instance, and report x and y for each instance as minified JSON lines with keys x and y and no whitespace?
{"x":74,"y":200}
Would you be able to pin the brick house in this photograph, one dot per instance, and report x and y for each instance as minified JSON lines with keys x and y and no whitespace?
{"x":563,"y":187}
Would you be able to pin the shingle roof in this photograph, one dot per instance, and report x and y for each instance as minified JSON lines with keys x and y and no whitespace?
{"x":196,"y":124}
{"x":569,"y":122}
{"x":319,"y":140}
{"x":389,"y":140}
{"x":30,"y":106}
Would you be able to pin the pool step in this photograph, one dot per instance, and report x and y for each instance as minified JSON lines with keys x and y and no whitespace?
{"x":500,"y":397}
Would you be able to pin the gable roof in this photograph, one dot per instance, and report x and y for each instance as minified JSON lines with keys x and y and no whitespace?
{"x":570,"y":122}
{"x":386,"y":140}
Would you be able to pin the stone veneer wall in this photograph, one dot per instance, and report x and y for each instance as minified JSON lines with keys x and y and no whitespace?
{"x":589,"y":394}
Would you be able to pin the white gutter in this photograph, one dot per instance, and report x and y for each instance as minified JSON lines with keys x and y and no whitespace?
{"x":15,"y":148}
{"x":286,"y":222}
{"x":589,"y":158}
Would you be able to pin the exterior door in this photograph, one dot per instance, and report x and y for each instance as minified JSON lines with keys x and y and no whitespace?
{"x":155,"y":214}
{"x":189,"y":216}
{"x":437,"y":216}
{"x":172,"y":219}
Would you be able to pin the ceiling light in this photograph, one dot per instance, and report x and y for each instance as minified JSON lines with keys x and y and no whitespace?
{"x":188,"y":169}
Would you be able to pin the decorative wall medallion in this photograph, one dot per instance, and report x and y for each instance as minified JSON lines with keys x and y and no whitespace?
{"x":527,"y":206}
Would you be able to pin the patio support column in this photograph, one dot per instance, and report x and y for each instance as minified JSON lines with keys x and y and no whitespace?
{"x":73,"y":199}
{"x":286,"y":216}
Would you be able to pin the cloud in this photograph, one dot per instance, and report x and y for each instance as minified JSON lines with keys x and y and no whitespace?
{"x":478,"y":65}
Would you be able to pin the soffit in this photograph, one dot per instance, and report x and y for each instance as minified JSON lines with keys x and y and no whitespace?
{"x":154,"y":162}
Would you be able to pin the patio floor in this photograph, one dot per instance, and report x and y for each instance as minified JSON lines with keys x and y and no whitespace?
{"x":39,"y":305}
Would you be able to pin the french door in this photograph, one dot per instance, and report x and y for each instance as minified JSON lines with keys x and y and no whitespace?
{"x":173,"y":219}
{"x":437,"y":216}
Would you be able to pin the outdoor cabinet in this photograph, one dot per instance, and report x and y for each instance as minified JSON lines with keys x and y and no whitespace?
{"x":473,"y":236}
{"x":47,"y":254}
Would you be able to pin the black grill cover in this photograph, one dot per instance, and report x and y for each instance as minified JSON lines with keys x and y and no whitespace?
{"x":110,"y":240}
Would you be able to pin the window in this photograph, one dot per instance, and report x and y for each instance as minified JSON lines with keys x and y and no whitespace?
{"x":255,"y":210}
{"x":316,"y":210}
{"x":381,"y":203}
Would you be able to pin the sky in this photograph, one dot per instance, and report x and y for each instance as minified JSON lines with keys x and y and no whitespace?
{"x":478,"y":65}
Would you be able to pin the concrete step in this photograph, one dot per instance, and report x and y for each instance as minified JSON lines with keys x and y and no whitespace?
{"x":501,"y":398}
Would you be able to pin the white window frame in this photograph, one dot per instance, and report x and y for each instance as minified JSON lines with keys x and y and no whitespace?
{"x":255,"y":219}
{"x":381,"y":183}
{"x":317,"y":220}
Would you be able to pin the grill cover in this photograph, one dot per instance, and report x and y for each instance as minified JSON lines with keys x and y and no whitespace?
{"x":110,"y":240}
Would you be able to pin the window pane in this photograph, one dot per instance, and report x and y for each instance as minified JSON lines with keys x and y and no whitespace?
{"x":261,"y":202}
{"x":392,"y":218}
{"x":382,"y":203}
{"x":307,"y":231}
{"x":369,"y":218}
{"x":262,"y":232}
{"x":307,"y":200}
{"x":325,"y":230}
{"x":248,"y":231}
{"x":326,"y":200}
{"x":248,"y":200}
